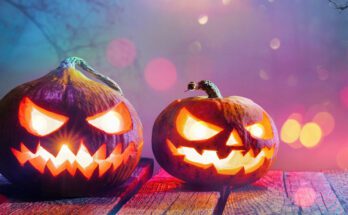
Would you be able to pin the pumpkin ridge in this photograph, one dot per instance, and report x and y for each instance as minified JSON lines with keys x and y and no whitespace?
{"x":209,"y":160}
{"x":68,"y":92}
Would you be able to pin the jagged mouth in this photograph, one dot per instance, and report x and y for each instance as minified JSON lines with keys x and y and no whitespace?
{"x":82,"y":161}
{"x":231,"y":165}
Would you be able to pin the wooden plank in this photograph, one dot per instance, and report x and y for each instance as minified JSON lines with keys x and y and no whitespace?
{"x":266,"y":196}
{"x":166,"y":194}
{"x":312,"y":193}
{"x":339,"y":184}
{"x":285,"y":193}
{"x":108,"y":203}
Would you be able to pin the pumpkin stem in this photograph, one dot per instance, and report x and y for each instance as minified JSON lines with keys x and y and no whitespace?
{"x":72,"y":61}
{"x":207,"y":86}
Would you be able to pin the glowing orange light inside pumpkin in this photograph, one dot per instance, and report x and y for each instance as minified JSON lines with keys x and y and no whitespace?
{"x":194,"y":129}
{"x":261,"y":130}
{"x":234,"y":139}
{"x":114,"y":121}
{"x":256,"y":130}
{"x":230,"y":165}
{"x":38,"y":121}
{"x":67,"y":160}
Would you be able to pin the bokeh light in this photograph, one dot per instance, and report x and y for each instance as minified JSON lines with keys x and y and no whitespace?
{"x":344,"y":96}
{"x":121,"y":53}
{"x":310,"y":135}
{"x":305,"y":196}
{"x":160,"y":74}
{"x":226,"y":2}
{"x":296,"y":116}
{"x":195,"y":47}
{"x":326,"y":122}
{"x":290,"y":131}
{"x":275,"y":43}
{"x":342,"y":158}
{"x":296,"y":145}
{"x":203,"y":19}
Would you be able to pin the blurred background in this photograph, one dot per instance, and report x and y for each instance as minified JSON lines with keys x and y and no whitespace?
{"x":289,"y":56}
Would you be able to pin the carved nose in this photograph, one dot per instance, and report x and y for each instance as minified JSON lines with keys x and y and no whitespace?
{"x":234,"y":139}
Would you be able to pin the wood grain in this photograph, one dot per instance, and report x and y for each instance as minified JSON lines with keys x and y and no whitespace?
{"x":290,"y":193}
{"x":312,"y":192}
{"x":266,"y":196}
{"x":339,"y":184}
{"x":164,"y":194}
{"x":276,"y":193}
{"x":108,"y":203}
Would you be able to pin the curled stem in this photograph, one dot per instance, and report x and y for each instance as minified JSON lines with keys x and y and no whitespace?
{"x":73,"y":61}
{"x":207,"y":86}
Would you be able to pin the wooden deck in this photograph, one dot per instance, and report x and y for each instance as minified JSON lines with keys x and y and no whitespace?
{"x":276,"y":193}
{"x":12,"y":203}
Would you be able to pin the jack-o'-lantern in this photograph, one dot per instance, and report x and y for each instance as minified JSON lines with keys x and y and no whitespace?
{"x":65,"y":134}
{"x":214,"y":141}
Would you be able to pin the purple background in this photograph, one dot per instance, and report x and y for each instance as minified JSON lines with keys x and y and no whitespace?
{"x":289,"y":56}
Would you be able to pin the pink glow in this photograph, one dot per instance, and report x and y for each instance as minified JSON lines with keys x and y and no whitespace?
{"x":121,"y":53}
{"x":326,"y":122}
{"x":305,"y":197}
{"x":296,"y":116}
{"x":344,"y":96}
{"x":160,"y":74}
{"x":342,"y":158}
{"x":274,"y":43}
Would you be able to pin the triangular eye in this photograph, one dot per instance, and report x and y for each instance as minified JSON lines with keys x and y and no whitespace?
{"x":194,"y":129}
{"x":115,"y":121}
{"x":38,"y":121}
{"x":234,"y":139}
{"x":261,"y":130}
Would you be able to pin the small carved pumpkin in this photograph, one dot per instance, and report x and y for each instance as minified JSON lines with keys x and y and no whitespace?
{"x":213,"y":140}
{"x":65,"y":134}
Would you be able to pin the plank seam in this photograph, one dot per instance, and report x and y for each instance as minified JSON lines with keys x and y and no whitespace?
{"x":171,"y":204}
{"x":300,"y":209}
{"x":334,"y":191}
{"x":221,"y":204}
{"x":131,"y":194}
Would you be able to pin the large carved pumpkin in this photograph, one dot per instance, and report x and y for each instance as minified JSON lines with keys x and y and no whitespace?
{"x":65,"y":134}
{"x":213,"y":140}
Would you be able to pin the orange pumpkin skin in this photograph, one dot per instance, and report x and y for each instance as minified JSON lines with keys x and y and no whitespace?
{"x":66,"y":91}
{"x":228,"y":114}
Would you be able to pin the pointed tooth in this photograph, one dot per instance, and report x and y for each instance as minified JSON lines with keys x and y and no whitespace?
{"x":87,"y":171}
{"x":24,"y":149}
{"x":56,"y":170}
{"x":21,"y":157}
{"x":269,"y":152}
{"x":117,"y":150}
{"x":100,"y":154}
{"x":116,"y":160}
{"x":38,"y":163}
{"x":83,"y":157}
{"x":256,"y":152}
{"x":248,"y":157}
{"x":171,"y":147}
{"x":103,"y":167}
{"x":71,"y":167}
{"x":257,"y":163}
{"x":128,"y":152}
{"x":199,"y":150}
{"x":232,"y":171}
